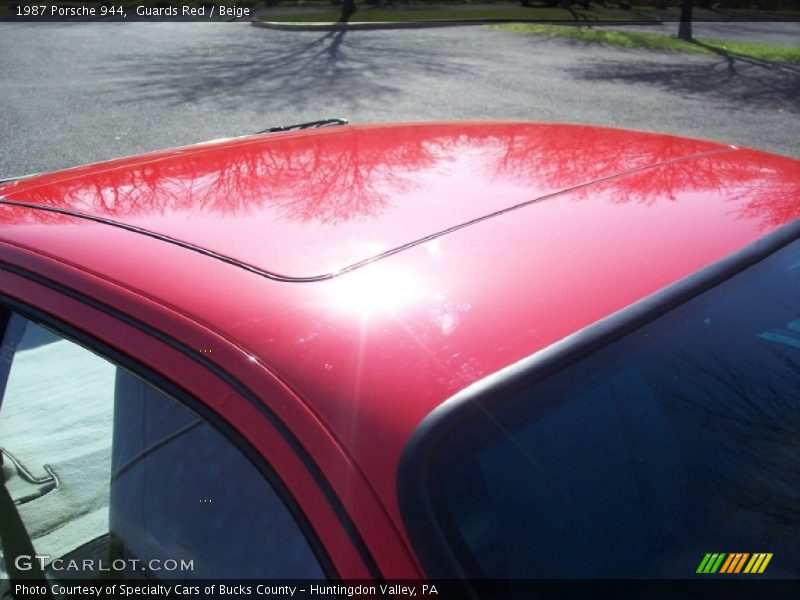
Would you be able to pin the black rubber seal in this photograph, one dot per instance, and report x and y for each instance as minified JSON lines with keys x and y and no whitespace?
{"x":415,"y":502}
{"x":174,"y":391}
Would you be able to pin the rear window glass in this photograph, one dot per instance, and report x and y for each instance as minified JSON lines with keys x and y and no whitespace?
{"x":679,"y":440}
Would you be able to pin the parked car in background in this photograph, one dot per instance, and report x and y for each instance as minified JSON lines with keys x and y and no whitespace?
{"x":481,"y":350}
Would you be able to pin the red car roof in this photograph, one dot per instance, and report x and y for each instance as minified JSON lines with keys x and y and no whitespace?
{"x":497,"y":239}
{"x":307,"y":205}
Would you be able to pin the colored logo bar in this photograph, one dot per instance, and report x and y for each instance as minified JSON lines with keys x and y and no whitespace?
{"x":733,"y":563}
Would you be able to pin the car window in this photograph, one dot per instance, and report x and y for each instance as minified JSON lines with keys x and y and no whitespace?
{"x":679,"y":440}
{"x":103,"y":466}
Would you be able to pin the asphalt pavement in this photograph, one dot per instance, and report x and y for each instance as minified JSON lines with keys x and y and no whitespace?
{"x":83,"y":92}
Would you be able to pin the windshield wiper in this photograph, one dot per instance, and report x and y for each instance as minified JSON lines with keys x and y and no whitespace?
{"x":309,"y":125}
{"x":17,"y":178}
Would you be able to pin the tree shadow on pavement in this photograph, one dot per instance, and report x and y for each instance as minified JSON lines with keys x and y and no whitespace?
{"x":729,"y":78}
{"x":353,"y":68}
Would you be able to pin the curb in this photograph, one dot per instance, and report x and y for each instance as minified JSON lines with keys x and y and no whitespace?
{"x":368,"y":25}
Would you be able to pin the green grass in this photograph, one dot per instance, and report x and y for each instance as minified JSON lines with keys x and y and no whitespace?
{"x":656,"y":41}
{"x":499,"y":13}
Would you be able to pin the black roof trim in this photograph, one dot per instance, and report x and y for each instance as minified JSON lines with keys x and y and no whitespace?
{"x":370,"y":259}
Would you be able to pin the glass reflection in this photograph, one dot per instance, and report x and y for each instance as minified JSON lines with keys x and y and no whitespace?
{"x":677,"y":440}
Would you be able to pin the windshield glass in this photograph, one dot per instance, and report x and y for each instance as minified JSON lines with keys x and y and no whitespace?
{"x":678,"y":441}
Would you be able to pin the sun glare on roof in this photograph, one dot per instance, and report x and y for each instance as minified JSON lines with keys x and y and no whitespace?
{"x":375,"y":289}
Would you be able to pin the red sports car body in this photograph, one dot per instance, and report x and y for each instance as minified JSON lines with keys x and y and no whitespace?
{"x":320,"y":293}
